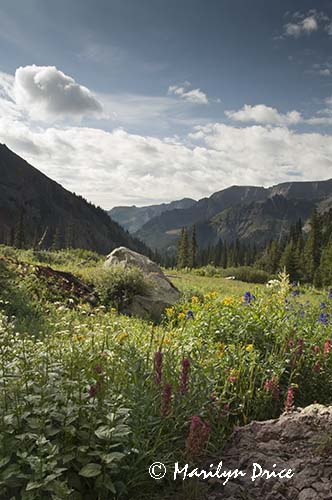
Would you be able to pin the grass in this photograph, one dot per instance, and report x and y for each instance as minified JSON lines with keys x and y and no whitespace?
{"x":90,"y":398}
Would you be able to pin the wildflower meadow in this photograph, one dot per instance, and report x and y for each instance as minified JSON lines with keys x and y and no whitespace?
{"x":89,"y":402}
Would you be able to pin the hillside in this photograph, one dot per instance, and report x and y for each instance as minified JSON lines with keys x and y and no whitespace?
{"x":252,"y":214}
{"x":133,"y":218}
{"x":35,"y":210}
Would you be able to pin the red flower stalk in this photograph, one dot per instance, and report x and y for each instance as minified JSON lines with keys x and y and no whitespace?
{"x":300,"y":347}
{"x":291,"y":343}
{"x":317,"y":367}
{"x":184,"y":379}
{"x":166,"y":400}
{"x":327,"y":347}
{"x":316,"y":349}
{"x":289,"y":403}
{"x":93,"y":390}
{"x":273,"y":387}
{"x":198,"y":436}
{"x":158,"y":366}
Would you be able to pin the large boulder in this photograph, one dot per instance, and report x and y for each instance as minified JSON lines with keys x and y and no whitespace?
{"x":161,"y":292}
{"x":299,"y":440}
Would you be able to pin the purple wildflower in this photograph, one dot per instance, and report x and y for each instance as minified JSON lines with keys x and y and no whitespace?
{"x":158,"y":366}
{"x":190,"y":315}
{"x":184,"y":379}
{"x":198,"y":436}
{"x":323,"y":318}
{"x":166,"y":400}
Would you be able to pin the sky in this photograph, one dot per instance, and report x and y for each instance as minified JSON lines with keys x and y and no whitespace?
{"x":140,"y":102}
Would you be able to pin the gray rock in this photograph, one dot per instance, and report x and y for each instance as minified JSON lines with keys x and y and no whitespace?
{"x":292,"y":442}
{"x":161,"y":292}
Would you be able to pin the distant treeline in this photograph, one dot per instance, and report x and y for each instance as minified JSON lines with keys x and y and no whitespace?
{"x":306,"y":255}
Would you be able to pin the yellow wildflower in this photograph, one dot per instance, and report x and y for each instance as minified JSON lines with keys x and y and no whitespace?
{"x":227,"y":301}
{"x":249,"y":347}
{"x":233,"y":372}
{"x":194,"y":299}
{"x":221,"y":350}
{"x":169,"y":311}
{"x":181,"y":315}
{"x":122,"y":336}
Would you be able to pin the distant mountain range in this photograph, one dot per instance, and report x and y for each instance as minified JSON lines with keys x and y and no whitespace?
{"x":250,"y":213}
{"x":133,"y":218}
{"x":37,"y":211}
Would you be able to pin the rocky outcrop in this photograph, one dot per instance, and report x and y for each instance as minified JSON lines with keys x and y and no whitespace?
{"x":301,"y":441}
{"x":161,"y":292}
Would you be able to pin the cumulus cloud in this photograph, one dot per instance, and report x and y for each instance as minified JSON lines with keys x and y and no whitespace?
{"x":118,"y":167}
{"x":264,"y":114}
{"x":195,"y":96}
{"x":46,"y":92}
{"x":306,"y":23}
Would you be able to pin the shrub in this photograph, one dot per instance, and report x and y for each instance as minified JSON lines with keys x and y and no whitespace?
{"x":117,"y":286}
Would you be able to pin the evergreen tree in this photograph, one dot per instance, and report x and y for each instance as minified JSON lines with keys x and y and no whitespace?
{"x":193,"y":249}
{"x":312,"y":249}
{"x":19,"y":233}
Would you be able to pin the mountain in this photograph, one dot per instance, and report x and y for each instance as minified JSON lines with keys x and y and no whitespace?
{"x":34,"y":208}
{"x":250,"y":213}
{"x":133,"y":218}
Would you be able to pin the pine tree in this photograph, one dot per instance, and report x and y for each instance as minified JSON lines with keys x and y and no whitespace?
{"x":312,"y":249}
{"x":193,"y":249}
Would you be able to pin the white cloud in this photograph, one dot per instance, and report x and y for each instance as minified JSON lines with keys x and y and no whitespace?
{"x":195,"y":96}
{"x":306,"y":23}
{"x":46,"y":93}
{"x":264,"y":114}
{"x":117,"y":167}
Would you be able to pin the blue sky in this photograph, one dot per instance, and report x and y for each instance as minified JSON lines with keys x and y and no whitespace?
{"x":128,"y":101}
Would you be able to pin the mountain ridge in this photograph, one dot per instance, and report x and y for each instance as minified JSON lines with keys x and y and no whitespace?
{"x":41,"y":210}
{"x":240,"y":212}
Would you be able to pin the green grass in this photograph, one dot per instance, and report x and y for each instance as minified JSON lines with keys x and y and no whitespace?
{"x":87,"y":403}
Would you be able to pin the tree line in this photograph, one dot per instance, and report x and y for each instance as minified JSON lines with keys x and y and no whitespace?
{"x":306,"y":255}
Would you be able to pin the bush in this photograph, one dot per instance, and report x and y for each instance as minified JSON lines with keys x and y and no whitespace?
{"x":247,"y":274}
{"x":116,"y":286}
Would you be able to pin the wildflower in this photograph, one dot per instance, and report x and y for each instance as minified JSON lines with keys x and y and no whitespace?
{"x":198,"y":436}
{"x":322,"y":305}
{"x":323,"y":318}
{"x":194,"y":299}
{"x":225,"y":411}
{"x":300,"y":347}
{"x":158,"y":366}
{"x":190,"y":315}
{"x":93,"y":390}
{"x":221,"y":350}
{"x":122,"y":336}
{"x":291,"y":343}
{"x":232,"y":379}
{"x":184,"y":380}
{"x":330,"y":294}
{"x":327,"y":347}
{"x":249,"y":347}
{"x":289,"y":403}
{"x":272,"y":386}
{"x":169,"y":311}
{"x":249,"y":297}
{"x":181,"y":315}
{"x":295,"y":293}
{"x":227,"y":301}
{"x":166,"y":400}
{"x":316,"y":349}
{"x":317,"y":367}
{"x":98,"y":368}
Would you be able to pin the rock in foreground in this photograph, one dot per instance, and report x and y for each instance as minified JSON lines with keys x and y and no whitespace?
{"x":162,"y":293}
{"x":300,"y":441}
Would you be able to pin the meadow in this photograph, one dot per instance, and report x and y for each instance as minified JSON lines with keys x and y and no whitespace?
{"x":90,"y":398}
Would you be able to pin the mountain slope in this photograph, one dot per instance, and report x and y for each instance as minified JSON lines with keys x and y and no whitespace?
{"x":34,"y":207}
{"x":133,"y":218}
{"x":252,"y":214}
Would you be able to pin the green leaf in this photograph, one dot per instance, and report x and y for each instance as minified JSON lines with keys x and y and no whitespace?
{"x":90,"y":470}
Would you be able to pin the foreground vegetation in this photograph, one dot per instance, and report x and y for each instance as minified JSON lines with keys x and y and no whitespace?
{"x":91,"y":398}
